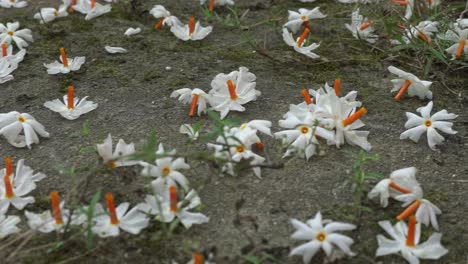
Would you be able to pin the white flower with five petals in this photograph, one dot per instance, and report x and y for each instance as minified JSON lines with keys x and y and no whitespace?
{"x":49,"y":14}
{"x":192,"y":31}
{"x":298,"y":44}
{"x":13,"y":3}
{"x":92,"y":9}
{"x":13,"y":123}
{"x":71,"y":107}
{"x":8,"y":225}
{"x":416,"y":86}
{"x":361,"y":28}
{"x":296,"y":19}
{"x":11,"y":33}
{"x":121,"y":156}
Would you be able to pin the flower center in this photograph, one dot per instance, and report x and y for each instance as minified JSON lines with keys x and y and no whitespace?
{"x":428,"y":123}
{"x":321,"y":237}
{"x":303,"y":18}
{"x":56,"y":13}
{"x":243,"y":126}
{"x":11,"y":33}
{"x":305,"y":130}
{"x":240,"y":149}
{"x":166,"y":171}
{"x":21,"y":119}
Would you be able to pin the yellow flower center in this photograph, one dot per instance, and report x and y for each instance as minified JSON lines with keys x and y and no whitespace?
{"x":166,"y":171}
{"x":11,"y":33}
{"x":240,"y":149}
{"x":428,"y":123}
{"x":304,"y":130}
{"x":321,"y":237}
{"x":21,"y":119}
{"x":56,"y":13}
{"x":303,"y":18}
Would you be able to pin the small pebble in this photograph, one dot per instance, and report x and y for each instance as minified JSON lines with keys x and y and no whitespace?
{"x":168,"y":68}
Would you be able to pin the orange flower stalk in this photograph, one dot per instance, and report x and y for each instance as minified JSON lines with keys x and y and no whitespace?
{"x":398,"y":188}
{"x":8,"y":166}
{"x":409,"y":211}
{"x":71,"y":9}
{"x":173,"y":198}
{"x":56,"y":211}
{"x":64,"y":57}
{"x":191,"y":25}
{"x":307,"y":25}
{"x":366,"y":25}
{"x":306,"y":96}
{"x":193,"y":107}
{"x":8,"y":187}
{"x":93,"y":4}
{"x":197,"y":258}
{"x":211,"y":5}
{"x":111,"y":207}
{"x":403,"y":90}
{"x":71,"y":97}
{"x":159,"y":24}
{"x":304,"y":35}
{"x":411,"y":231}
{"x":232,"y":90}
{"x":4,"y":50}
{"x":461,"y":47}
{"x":400,"y":2}
{"x":351,"y":119}
{"x":423,"y":37}
{"x":337,"y":87}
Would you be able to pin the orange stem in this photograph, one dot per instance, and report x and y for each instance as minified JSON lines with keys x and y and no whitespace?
{"x":197,"y":258}
{"x":403,"y":90}
{"x":461,"y":48}
{"x":398,"y":188}
{"x":351,"y":119}
{"x":159,"y":24}
{"x":111,"y":207}
{"x":306,"y":96}
{"x":306,"y":24}
{"x":8,"y":187}
{"x":232,"y":90}
{"x":304,"y":35}
{"x":411,"y":231}
{"x":259,"y":145}
{"x":191,"y":25}
{"x":366,"y":25}
{"x":211,"y":5}
{"x":173,"y":198}
{"x":400,"y":2}
{"x":64,"y":57}
{"x":71,"y":9}
{"x":337,"y":87}
{"x":409,"y":211}
{"x":70,"y":98}
{"x":193,"y":107}
{"x":56,"y":211}
{"x":8,"y":166}
{"x":423,"y":37}
{"x":93,"y":4}
{"x":4,"y":50}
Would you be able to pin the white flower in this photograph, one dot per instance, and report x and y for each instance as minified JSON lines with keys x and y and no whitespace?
{"x":219,"y":2}
{"x":10,"y":33}
{"x":361,"y":28}
{"x":132,"y":221}
{"x":192,"y":31}
{"x":13,"y":194}
{"x":72,"y":107}
{"x":49,"y":14}
{"x":132,"y":31}
{"x":320,"y":236}
{"x":166,"y":171}
{"x":54,"y":220}
{"x":113,"y":50}
{"x":411,"y":83}
{"x":189,"y":131}
{"x":23,"y":173}
{"x":230,"y":91}
{"x":65,"y":65}
{"x":418,"y":125}
{"x":405,"y":240}
{"x":298,"y":44}
{"x":166,"y":207}
{"x":13,"y":3}
{"x":402,"y":181}
{"x":13,"y":123}
{"x":7,"y":55}
{"x":121,"y":155}
{"x":159,"y":11}
{"x":8,"y":225}
{"x":6,"y":68}
{"x":92,"y":9}
{"x":296,"y":19}
{"x":196,"y":97}
{"x":458,"y":35}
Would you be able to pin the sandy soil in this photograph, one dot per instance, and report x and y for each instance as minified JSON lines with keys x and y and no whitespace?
{"x":248,"y":216}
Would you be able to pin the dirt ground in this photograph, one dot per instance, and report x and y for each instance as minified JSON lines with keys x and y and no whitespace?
{"x":248,"y":216}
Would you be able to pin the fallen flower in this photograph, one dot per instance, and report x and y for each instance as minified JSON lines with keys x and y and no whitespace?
{"x":109,"y":224}
{"x":423,"y":31}
{"x":160,"y":12}
{"x":13,"y":194}
{"x":65,"y":65}
{"x":6,"y":68}
{"x":8,"y":225}
{"x":7,"y":55}
{"x":23,"y":173}
{"x":114,"y":50}
{"x":362,"y":28}
{"x":49,"y":14}
{"x":196,"y":97}
{"x":296,"y":19}
{"x":321,"y":236}
{"x":121,"y":156}
{"x":132,"y":31}
{"x":13,"y":3}
{"x":91,"y":8}
{"x":298,"y":44}
{"x":10,"y":33}
{"x":418,"y":125}
{"x":406,"y":240}
{"x":189,"y":131}
{"x":192,"y":31}
{"x":213,"y":3}
{"x":409,"y":83}
{"x":72,"y":107}
{"x":458,"y":35}
{"x":13,"y":123}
